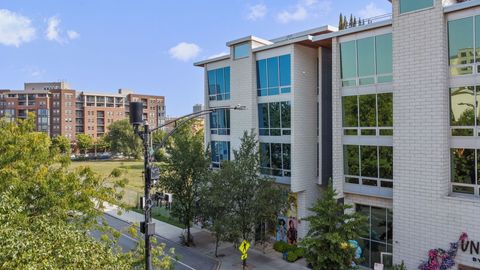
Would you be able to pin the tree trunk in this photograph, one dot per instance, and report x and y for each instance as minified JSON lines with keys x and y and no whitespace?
{"x":216,"y":246}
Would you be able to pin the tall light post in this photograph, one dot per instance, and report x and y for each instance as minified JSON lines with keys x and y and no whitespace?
{"x":151,"y":173}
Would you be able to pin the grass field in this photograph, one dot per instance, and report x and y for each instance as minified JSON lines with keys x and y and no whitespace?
{"x":131,"y":170}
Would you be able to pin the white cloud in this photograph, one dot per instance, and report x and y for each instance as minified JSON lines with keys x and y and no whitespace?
{"x":72,"y":34}
{"x":33,"y":72}
{"x":15,"y":29}
{"x":218,"y":55}
{"x":304,"y":10}
{"x":371,"y":10}
{"x":184,"y":51}
{"x":54,"y":33}
{"x":257,"y":12}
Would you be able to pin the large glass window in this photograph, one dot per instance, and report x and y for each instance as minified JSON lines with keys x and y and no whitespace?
{"x":220,"y":122}
{"x":275,"y":159}
{"x":368,"y":165}
{"x":379,"y":237}
{"x":220,"y":152}
{"x":464,"y":111}
{"x":274,"y":118}
{"x":241,"y":50}
{"x":366,"y":61}
{"x":412,"y":5}
{"x":219,"y":84}
{"x":368,"y":115}
{"x":274,"y":76}
{"x":465,"y":165}
{"x":461,"y":44}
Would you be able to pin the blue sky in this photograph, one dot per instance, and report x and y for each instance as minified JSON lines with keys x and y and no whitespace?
{"x":147,"y":45}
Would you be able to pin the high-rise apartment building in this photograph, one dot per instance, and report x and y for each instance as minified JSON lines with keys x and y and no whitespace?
{"x":386,"y":109}
{"x":60,"y":110}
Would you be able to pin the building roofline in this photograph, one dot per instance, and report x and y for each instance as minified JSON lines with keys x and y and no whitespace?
{"x":211,"y":60}
{"x":311,"y":32}
{"x":460,"y":6}
{"x":353,"y":30}
{"x":283,"y":43}
{"x":248,"y":38}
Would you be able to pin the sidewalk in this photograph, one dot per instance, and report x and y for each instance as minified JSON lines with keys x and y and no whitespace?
{"x":205,"y":244}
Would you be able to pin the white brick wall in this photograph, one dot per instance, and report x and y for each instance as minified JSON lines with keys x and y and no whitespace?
{"x":304,"y":130}
{"x":424,"y":216}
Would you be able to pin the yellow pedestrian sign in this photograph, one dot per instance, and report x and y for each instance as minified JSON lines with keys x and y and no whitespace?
{"x":244,"y":246}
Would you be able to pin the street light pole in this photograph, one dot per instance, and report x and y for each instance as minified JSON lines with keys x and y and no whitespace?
{"x":136,"y":119}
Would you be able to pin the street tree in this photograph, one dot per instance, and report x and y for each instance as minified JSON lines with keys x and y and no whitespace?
{"x":183,"y":173}
{"x":122,"y":139}
{"x":48,"y":208}
{"x":256,"y":198}
{"x":102,"y":144}
{"x":61,"y":143}
{"x":332,"y":226}
{"x":216,"y":202}
{"x":84,"y":142}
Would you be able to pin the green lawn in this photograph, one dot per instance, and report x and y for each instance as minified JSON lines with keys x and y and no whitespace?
{"x":162,"y":214}
{"x":131,"y":170}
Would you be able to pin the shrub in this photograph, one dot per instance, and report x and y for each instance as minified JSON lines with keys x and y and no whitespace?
{"x":292,"y":256}
{"x":300,"y":252}
{"x":280,"y":246}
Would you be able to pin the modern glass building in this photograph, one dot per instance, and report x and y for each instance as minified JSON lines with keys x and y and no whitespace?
{"x":386,"y":109}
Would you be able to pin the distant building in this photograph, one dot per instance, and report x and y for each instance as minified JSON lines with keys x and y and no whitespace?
{"x":61,"y":110}
{"x":197,"y":108}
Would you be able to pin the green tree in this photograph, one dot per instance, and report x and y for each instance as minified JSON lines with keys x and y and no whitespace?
{"x":255,"y":197}
{"x":122,"y":139}
{"x":183,"y":174}
{"x":216,"y":204}
{"x":102,"y":144}
{"x":47,"y":209}
{"x":61,"y":143}
{"x":84,"y":142}
{"x":340,"y":22}
{"x":331,"y":227}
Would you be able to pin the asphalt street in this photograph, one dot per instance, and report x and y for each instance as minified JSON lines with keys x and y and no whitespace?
{"x":188,"y":259}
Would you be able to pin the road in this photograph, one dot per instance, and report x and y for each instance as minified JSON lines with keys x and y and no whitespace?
{"x":189,"y":259}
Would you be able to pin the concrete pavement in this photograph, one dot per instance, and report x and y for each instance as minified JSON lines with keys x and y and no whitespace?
{"x":205,"y":244}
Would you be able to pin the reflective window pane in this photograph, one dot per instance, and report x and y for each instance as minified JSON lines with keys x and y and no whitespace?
{"x":368,"y":158}
{"x":477,"y":37}
{"x":367,"y":104}
{"x":383,"y":45}
{"x":385,"y":110}
{"x":276,"y":155}
{"x":412,"y":5}
{"x":263,"y":115}
{"x":262,"y":74}
{"x":265,"y":155}
{"x":350,"y":111}
{"x":241,"y":50}
{"x":386,"y":162}
{"x":462,"y":106}
{"x":351,"y":160}
{"x":286,"y":114}
{"x":460,"y":41}
{"x":285,"y":70}
{"x":379,"y":224}
{"x":365,"y":55}
{"x":272,"y":69}
{"x":463,"y":166}
{"x":227,"y":82}
{"x":286,"y":156}
{"x":348,"y":60}
{"x":274,"y":114}
{"x":220,"y":83}
{"x":211,"y":82}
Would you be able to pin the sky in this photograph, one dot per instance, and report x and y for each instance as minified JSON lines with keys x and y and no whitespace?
{"x":148,"y":46}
